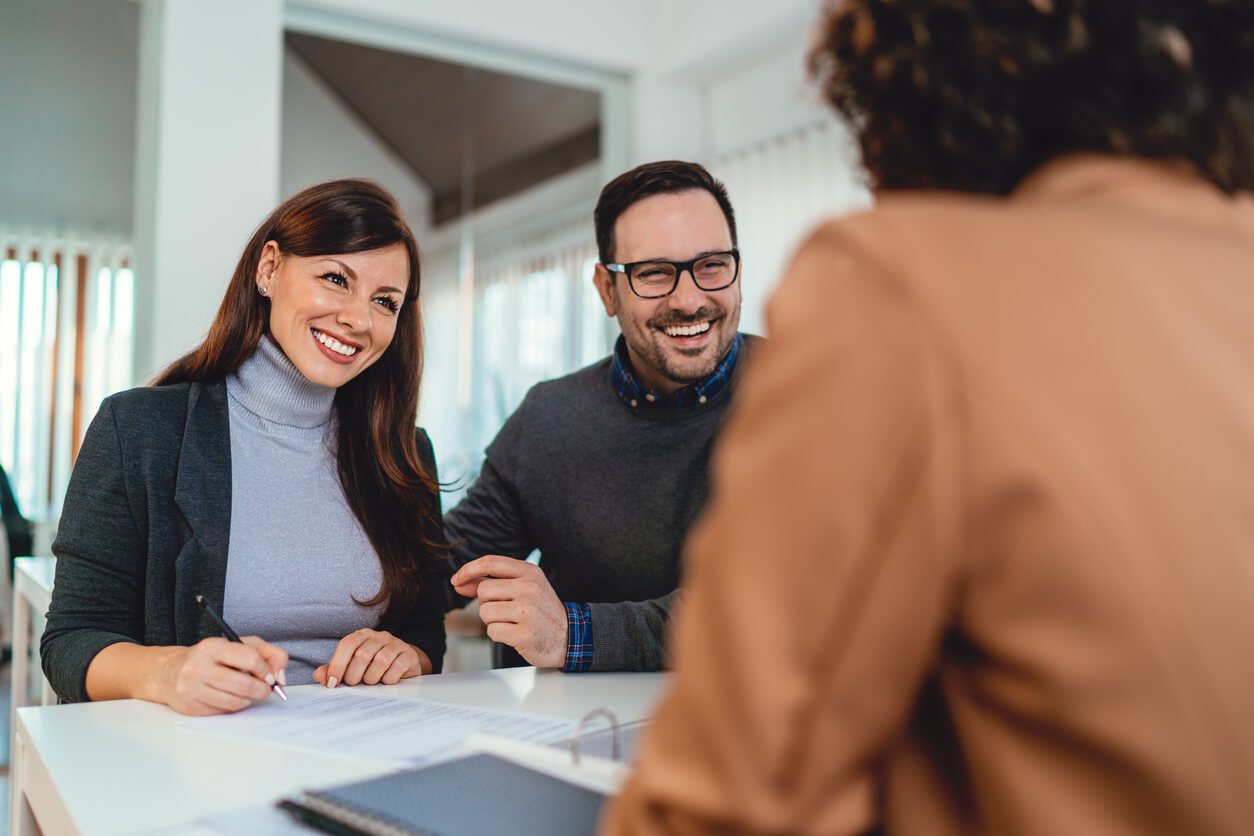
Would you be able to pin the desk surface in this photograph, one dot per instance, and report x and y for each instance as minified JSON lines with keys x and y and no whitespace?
{"x":122,"y":767}
{"x":39,"y":570}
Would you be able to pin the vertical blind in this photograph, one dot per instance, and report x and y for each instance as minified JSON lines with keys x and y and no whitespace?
{"x":66,"y":342}
{"x":781,"y":189}
{"x":535,"y":315}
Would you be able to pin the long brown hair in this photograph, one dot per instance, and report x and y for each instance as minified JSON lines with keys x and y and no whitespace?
{"x":391,"y":493}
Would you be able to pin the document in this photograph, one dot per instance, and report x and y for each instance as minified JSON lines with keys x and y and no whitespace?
{"x":365,"y":725}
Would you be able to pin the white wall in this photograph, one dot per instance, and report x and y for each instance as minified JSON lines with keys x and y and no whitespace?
{"x":763,"y":99}
{"x":207,"y":160}
{"x":67,"y":103}
{"x":597,"y":33}
{"x":721,"y":74}
{"x":323,"y":140}
{"x":702,"y":40}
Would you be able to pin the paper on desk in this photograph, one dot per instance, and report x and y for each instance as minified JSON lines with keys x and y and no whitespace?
{"x":342,"y":722}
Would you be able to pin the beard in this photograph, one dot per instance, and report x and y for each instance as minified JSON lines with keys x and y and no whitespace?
{"x":686,"y":366}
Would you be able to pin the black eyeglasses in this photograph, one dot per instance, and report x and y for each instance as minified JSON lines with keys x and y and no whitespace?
{"x":658,"y":278}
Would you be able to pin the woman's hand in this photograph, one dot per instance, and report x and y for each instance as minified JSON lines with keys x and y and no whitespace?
{"x":369,"y":657}
{"x":216,"y":676}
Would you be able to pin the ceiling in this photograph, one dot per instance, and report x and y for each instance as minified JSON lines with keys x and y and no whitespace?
{"x":441,"y":119}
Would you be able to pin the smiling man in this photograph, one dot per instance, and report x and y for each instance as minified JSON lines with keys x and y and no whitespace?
{"x":605,"y":470}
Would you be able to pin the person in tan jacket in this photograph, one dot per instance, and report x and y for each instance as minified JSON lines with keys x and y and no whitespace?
{"x":980,"y":556}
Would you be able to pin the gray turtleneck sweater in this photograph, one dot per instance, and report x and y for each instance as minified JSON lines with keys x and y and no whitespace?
{"x":150,"y":508}
{"x":297,"y":556}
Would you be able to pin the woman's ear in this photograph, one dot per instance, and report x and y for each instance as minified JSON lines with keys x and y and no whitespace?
{"x":266,"y":267}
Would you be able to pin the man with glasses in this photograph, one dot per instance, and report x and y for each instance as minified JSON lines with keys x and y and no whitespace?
{"x":605,"y":470}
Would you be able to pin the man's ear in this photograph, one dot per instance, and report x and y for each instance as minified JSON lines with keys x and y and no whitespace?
{"x":605,"y":289}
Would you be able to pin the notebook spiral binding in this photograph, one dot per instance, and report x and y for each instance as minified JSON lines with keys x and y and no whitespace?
{"x":338,"y":817}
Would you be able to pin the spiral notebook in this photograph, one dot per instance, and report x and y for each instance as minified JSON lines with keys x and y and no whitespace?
{"x":476,"y":795}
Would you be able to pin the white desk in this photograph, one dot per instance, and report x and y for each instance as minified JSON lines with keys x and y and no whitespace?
{"x":32,"y":592}
{"x":123,"y":767}
{"x":6,"y":587}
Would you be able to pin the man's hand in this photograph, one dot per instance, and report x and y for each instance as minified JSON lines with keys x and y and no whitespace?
{"x":518,"y":605}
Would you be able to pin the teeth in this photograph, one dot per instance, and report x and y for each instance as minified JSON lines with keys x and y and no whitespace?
{"x":334,"y":344}
{"x":687,"y":330}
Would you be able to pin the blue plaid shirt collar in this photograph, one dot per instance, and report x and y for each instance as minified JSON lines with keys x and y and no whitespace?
{"x":632,"y":393}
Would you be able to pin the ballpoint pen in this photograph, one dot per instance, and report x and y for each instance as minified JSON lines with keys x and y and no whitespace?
{"x":232,"y":636}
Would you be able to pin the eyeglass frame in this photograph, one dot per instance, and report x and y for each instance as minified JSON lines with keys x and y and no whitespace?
{"x":680,"y":268}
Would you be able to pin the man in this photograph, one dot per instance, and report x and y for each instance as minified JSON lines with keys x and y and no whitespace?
{"x":981,"y":554}
{"x":605,"y":470}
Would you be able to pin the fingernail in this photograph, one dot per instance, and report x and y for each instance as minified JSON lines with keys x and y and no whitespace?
{"x":332,"y":682}
{"x":283,"y":677}
{"x":269,"y":678}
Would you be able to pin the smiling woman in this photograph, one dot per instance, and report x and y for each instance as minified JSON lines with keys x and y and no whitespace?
{"x":343,"y":308}
{"x":276,"y":471}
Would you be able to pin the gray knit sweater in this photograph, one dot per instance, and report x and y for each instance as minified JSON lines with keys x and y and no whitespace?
{"x":607,"y":494}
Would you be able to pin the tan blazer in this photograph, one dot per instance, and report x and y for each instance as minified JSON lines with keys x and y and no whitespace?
{"x":981,"y":552}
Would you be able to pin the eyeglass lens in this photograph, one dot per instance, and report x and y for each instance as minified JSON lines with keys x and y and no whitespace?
{"x":713,"y":272}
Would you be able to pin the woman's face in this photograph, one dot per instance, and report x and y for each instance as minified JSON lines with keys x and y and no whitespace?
{"x":334,"y":315}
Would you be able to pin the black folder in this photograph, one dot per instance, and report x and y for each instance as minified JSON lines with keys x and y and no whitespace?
{"x":476,"y":796}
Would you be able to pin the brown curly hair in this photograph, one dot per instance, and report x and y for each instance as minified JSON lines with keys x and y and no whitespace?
{"x":972,"y":95}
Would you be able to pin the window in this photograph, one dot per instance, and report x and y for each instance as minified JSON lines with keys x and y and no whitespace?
{"x":782,"y":188}
{"x":66,"y":338}
{"x":534,"y":315}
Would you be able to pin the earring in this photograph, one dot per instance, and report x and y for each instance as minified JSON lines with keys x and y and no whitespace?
{"x":263,"y":289}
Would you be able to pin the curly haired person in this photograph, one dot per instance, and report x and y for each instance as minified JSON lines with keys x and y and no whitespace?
{"x":987,"y":496}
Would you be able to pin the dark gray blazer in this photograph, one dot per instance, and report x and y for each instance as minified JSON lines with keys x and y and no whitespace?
{"x":144,"y":530}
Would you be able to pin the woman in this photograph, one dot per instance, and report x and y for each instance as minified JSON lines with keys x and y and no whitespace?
{"x":988,"y":494}
{"x":274,"y":470}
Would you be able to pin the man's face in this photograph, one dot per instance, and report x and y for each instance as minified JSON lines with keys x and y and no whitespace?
{"x":665,"y":353}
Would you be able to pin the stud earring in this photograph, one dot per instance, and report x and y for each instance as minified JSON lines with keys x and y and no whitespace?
{"x":263,"y":289}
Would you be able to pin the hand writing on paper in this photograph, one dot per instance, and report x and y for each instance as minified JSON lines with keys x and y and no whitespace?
{"x":216,"y":676}
{"x":368,"y":657}
{"x":518,"y":605}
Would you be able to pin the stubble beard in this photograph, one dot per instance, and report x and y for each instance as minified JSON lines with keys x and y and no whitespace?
{"x":663,"y":358}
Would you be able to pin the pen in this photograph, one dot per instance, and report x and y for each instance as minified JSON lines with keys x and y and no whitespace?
{"x":232,"y":636}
